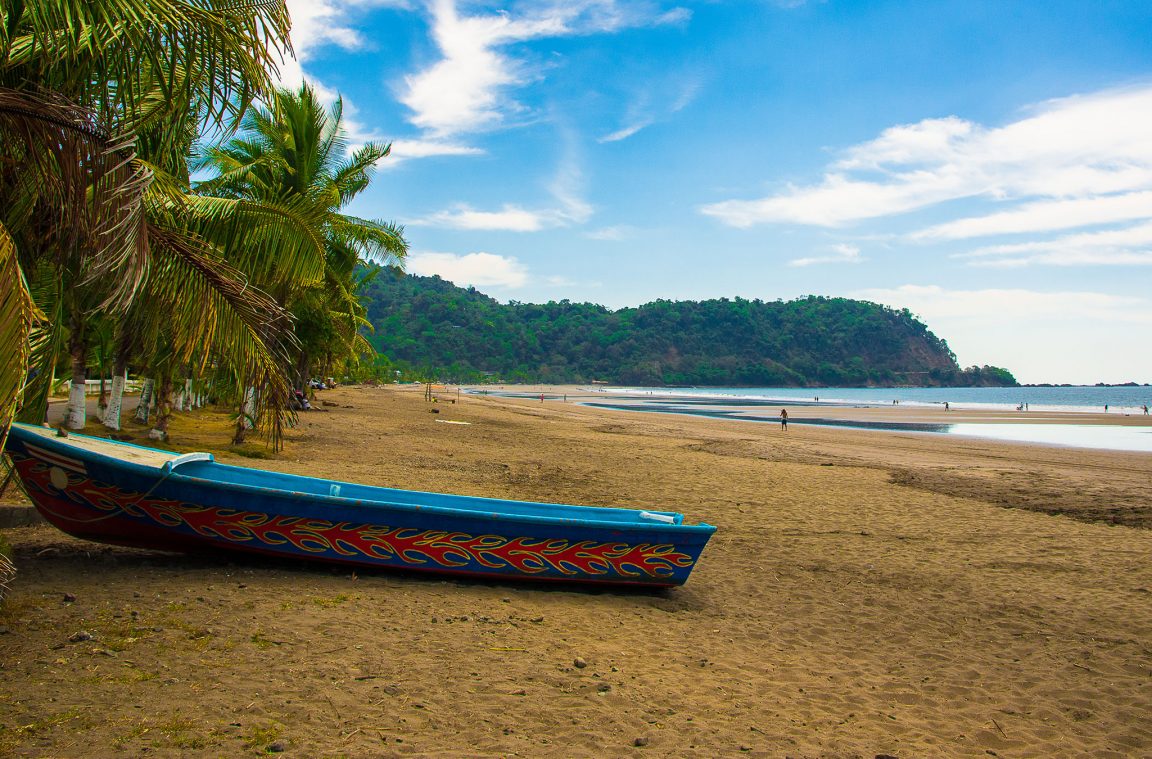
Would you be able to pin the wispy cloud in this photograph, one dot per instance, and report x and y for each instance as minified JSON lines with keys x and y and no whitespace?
{"x":841,"y":254}
{"x":613,"y":233}
{"x":317,"y":24}
{"x":1002,"y":305}
{"x":566,"y":188}
{"x":509,"y":218}
{"x":1045,"y":216}
{"x":647,"y":107}
{"x":471,"y":87}
{"x":471,"y":269}
{"x":1129,"y":246}
{"x":407,"y":149}
{"x":1073,"y":149}
{"x":625,"y":132}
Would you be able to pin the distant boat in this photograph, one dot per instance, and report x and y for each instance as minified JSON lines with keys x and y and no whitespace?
{"x":125,"y":494}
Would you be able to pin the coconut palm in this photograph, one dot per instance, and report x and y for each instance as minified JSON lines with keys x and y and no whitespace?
{"x":99,"y":104}
{"x":294,"y":154}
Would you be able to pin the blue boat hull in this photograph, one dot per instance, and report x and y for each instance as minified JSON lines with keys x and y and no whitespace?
{"x":127,"y":495}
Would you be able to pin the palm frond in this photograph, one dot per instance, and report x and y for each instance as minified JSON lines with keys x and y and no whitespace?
{"x":274,"y":243}
{"x":353,"y":176}
{"x":16,"y":312}
{"x":210,"y":307}
{"x":46,"y":339}
{"x":88,"y":177}
{"x":377,"y":241}
{"x":217,"y":52}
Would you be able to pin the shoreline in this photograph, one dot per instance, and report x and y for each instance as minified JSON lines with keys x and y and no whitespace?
{"x":892,"y":593}
{"x":1061,"y":428}
{"x":1118,"y":415}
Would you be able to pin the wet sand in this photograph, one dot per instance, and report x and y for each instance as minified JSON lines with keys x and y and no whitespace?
{"x":867,"y":593}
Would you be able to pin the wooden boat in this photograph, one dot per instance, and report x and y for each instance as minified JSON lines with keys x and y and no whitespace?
{"x":125,"y":494}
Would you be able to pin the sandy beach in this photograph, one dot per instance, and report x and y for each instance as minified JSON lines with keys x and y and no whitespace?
{"x":867,"y":594}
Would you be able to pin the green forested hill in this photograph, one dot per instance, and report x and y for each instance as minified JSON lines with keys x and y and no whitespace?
{"x":452,"y":333}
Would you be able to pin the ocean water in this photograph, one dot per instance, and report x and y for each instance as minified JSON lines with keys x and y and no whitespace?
{"x":1119,"y":400}
{"x":1111,"y":437}
{"x":758,"y":404}
{"x":741,"y":403}
{"x":1100,"y":436}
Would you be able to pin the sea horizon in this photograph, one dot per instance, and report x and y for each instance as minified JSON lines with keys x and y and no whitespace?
{"x":1109,"y":399}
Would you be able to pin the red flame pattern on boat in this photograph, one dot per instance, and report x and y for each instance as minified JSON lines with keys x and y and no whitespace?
{"x":396,"y":546}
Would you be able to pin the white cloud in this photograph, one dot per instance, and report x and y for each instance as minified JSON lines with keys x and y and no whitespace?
{"x":1000,"y":304}
{"x":1126,"y":246}
{"x":614,"y":233}
{"x":461,"y":92}
{"x":407,"y":149}
{"x":471,"y":269}
{"x":1079,"y":337}
{"x":1076,"y":148}
{"x":469,"y":88}
{"x":510,"y":218}
{"x":838,"y":201}
{"x":626,"y":132}
{"x":1044,"y":216}
{"x":645,"y":109}
{"x":319,"y":22}
{"x":565,"y":188}
{"x":841,"y":254}
{"x":316,"y":24}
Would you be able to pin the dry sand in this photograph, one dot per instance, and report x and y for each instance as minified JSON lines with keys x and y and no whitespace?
{"x":868,"y":593}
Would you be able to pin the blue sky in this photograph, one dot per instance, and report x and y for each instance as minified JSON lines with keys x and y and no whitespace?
{"x":984,"y":163}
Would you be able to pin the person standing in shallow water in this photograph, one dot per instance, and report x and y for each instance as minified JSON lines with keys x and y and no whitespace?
{"x":784,"y":419}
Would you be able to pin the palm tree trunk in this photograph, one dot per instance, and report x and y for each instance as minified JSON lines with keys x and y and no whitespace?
{"x":102,"y":401}
{"x":249,"y":416}
{"x":116,"y":397}
{"x":145,"y":400}
{"x":115,"y":400}
{"x":302,"y":371}
{"x":188,"y":397}
{"x":246,"y":419}
{"x":76,"y":415}
{"x":163,"y":409}
{"x":119,"y":379}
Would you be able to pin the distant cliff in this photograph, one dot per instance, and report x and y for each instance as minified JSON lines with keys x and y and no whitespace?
{"x":460,"y":334}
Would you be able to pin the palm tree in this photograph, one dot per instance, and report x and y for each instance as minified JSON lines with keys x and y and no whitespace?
{"x":294,"y":155}
{"x":99,"y":104}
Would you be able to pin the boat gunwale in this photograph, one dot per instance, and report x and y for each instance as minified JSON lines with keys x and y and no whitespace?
{"x":174,"y":475}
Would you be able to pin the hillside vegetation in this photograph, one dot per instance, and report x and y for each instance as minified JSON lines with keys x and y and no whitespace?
{"x":450,"y":333}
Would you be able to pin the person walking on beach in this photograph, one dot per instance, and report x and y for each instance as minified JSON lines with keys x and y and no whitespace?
{"x":784,"y":419}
